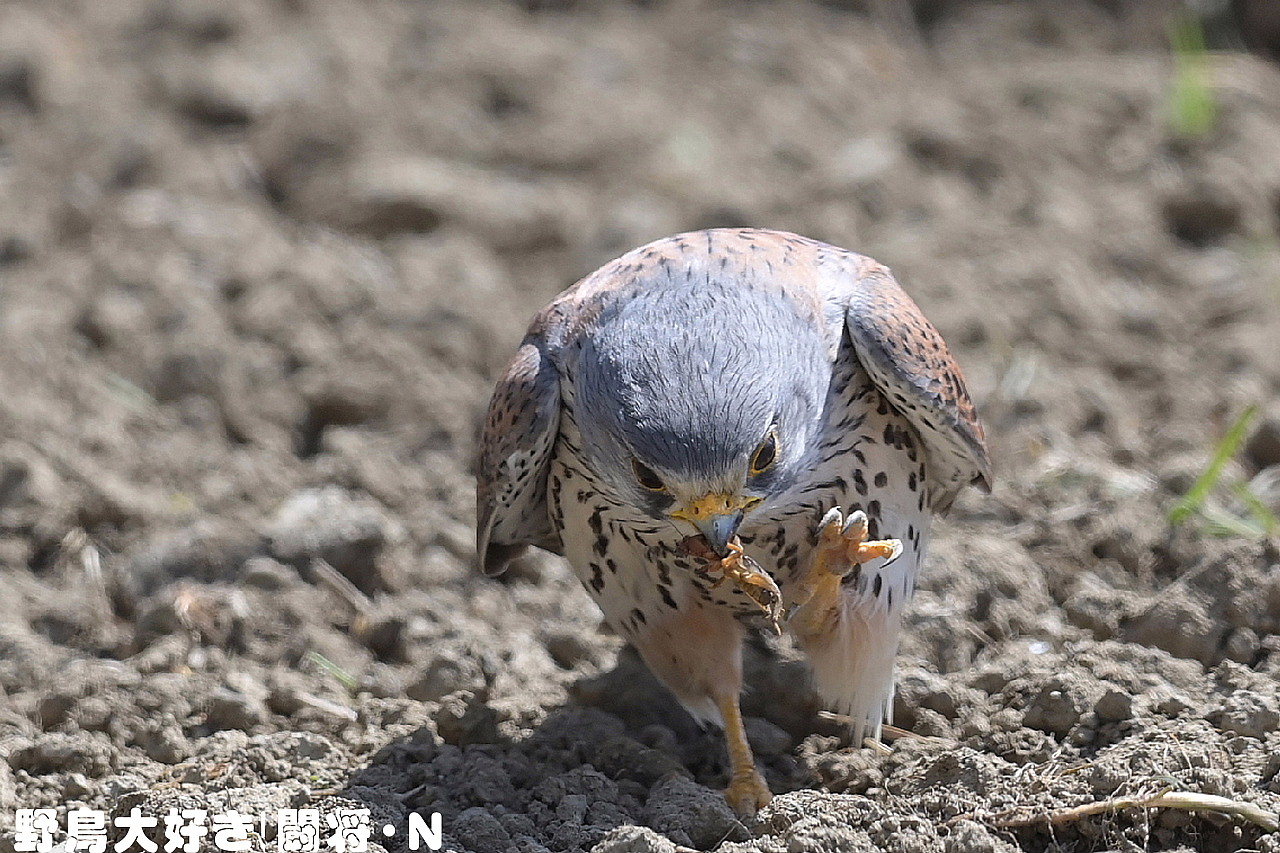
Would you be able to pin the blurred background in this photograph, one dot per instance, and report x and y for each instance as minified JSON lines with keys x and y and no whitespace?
{"x":261,"y":260}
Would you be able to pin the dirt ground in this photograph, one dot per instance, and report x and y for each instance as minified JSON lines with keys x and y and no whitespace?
{"x":260,"y":261}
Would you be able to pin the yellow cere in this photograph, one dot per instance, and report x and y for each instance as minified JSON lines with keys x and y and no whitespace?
{"x":712,"y":505}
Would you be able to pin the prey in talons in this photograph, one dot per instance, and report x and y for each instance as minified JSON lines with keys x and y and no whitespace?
{"x":743,"y":572}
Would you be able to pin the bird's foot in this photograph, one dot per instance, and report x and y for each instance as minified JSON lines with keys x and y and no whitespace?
{"x":842,"y":547}
{"x":747,"y":793}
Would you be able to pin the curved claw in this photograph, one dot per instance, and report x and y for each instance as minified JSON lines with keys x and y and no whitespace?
{"x":855,"y":526}
{"x":847,"y":535}
{"x":896,"y":549}
{"x":832,"y":525}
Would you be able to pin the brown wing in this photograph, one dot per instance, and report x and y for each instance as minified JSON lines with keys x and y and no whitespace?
{"x":515,"y":452}
{"x":912,"y":367}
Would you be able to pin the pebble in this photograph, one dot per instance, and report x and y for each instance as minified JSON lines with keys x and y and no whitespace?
{"x":480,"y":831}
{"x":330,"y":523}
{"x":967,"y":836}
{"x":55,"y":752}
{"x":1055,"y":709}
{"x":634,"y":839}
{"x":443,"y":676}
{"x":1114,"y":706}
{"x":766,"y":739}
{"x":1246,"y":713}
{"x":690,"y":813}
{"x":464,"y":718}
{"x":231,"y":709}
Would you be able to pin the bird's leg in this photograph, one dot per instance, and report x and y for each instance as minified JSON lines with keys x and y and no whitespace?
{"x":747,"y":791}
{"x":842,"y":547}
{"x":696,"y":651}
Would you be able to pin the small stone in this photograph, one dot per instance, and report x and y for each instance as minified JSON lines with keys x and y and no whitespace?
{"x":634,"y":839}
{"x":78,"y":787}
{"x":661,"y":738}
{"x":1181,"y":625}
{"x":347,"y":531}
{"x":55,"y":708}
{"x":116,"y":787}
{"x":443,"y":676}
{"x":1242,"y":646}
{"x":464,"y":718}
{"x":231,"y":709}
{"x":55,"y":752}
{"x":766,"y":739}
{"x":1245,"y":713}
{"x":268,"y":574}
{"x":930,"y":723}
{"x":1055,"y":709}
{"x":941,"y":701}
{"x":572,"y":808}
{"x":622,"y":758}
{"x":480,"y":831}
{"x":165,"y":743}
{"x":967,"y":836}
{"x":990,"y":680}
{"x":567,"y":646}
{"x":93,"y":714}
{"x":1169,"y":703}
{"x":1114,"y":706}
{"x":681,"y":808}
{"x":208,"y":551}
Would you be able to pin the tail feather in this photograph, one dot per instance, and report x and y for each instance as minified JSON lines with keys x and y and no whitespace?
{"x":853,"y":664}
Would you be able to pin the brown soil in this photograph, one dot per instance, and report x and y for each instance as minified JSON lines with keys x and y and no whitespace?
{"x":261,"y":261}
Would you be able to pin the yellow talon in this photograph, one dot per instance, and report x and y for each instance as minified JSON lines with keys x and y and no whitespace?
{"x":842,"y":545}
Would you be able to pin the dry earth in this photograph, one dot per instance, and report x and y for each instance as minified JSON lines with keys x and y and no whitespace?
{"x":260,"y":261}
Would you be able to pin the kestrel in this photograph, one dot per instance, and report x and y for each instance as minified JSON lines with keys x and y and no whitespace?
{"x":779,"y":397}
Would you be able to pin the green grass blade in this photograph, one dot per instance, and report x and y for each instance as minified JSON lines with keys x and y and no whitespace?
{"x":343,"y":677}
{"x":1193,"y":111}
{"x":1193,"y":501}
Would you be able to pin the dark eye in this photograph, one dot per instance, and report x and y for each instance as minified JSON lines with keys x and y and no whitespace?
{"x":766,"y":454}
{"x":645,"y":476}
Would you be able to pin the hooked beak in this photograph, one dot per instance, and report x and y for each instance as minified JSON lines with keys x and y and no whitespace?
{"x":719,"y":530}
{"x":717,"y":518}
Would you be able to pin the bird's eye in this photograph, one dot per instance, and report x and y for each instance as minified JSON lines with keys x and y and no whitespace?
{"x":646,"y":478}
{"x":766,"y":454}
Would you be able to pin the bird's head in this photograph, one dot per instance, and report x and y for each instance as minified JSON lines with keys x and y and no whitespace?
{"x":697,"y":410}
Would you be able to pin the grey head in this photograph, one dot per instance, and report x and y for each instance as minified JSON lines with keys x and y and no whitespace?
{"x":699,"y":400}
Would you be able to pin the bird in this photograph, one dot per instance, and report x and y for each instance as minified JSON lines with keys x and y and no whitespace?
{"x":744,"y":389}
